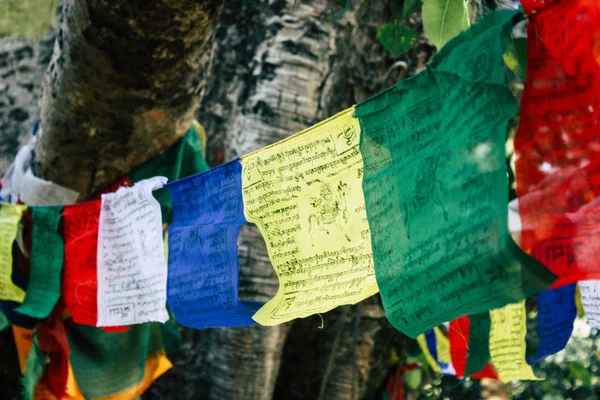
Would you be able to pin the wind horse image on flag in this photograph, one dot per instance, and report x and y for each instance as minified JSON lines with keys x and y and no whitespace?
{"x":436,"y":188}
{"x":304,"y":194}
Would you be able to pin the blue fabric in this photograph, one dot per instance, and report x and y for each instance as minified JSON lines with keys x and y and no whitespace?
{"x":432,"y":344}
{"x":556,"y":313}
{"x":208,"y":213}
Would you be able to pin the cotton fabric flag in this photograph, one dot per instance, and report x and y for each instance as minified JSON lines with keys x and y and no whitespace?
{"x":46,"y":260}
{"x":507,"y":343}
{"x":435,"y":184}
{"x":25,"y":346}
{"x":118,"y":366}
{"x":132,"y":269}
{"x":304,"y":194}
{"x":590,"y":301}
{"x":80,"y":279}
{"x":422,"y":340}
{"x":556,"y":315}
{"x":557,"y":144}
{"x":203,"y":262}
{"x":10,"y":215}
{"x":461,"y":346}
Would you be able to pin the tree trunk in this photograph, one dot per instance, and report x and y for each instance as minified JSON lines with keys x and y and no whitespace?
{"x":279,"y":67}
{"x":113,"y":100}
{"x":122,"y":86}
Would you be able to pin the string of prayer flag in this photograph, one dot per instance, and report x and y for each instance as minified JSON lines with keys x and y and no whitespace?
{"x":132,"y":269}
{"x":203,"y":262}
{"x":556,"y":315}
{"x":46,"y":262}
{"x":304,"y":194}
{"x":435,"y":184}
{"x":10,"y":215}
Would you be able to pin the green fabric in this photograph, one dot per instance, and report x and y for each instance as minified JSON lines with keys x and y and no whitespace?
{"x":183,"y":159}
{"x":108,"y":363}
{"x":34,"y":369}
{"x":47,"y":248}
{"x":479,"y":343}
{"x":436,"y":189}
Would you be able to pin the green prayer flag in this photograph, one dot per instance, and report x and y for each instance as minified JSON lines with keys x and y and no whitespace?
{"x":436,"y":189}
{"x":47,"y":248}
{"x":183,"y":159}
{"x":34,"y":370}
{"x":478,"y":354}
{"x":105,"y":363}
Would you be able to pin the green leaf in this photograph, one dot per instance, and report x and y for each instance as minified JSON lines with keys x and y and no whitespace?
{"x":413,"y":379}
{"x":579,"y":372}
{"x":444,"y":19}
{"x":29,"y":19}
{"x":396,"y":39}
{"x":4,"y":323}
{"x":411,"y":6}
{"x":515,"y":57}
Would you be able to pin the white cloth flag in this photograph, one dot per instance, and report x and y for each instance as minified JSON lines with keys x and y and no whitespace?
{"x":132,"y":268}
{"x":590,"y":300}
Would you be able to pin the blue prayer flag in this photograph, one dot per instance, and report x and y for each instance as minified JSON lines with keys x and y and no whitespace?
{"x":208,"y":212}
{"x":556,"y":313}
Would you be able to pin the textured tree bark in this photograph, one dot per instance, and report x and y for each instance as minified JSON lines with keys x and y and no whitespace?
{"x":279,"y":67}
{"x":123,"y":85}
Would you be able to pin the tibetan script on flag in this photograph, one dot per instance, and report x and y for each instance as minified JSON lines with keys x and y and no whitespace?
{"x":305,"y":195}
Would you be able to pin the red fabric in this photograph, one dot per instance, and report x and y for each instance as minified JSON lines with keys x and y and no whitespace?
{"x":395,"y":386}
{"x":558,"y":141}
{"x":52,"y":338}
{"x":80,"y":280}
{"x":458,"y":335}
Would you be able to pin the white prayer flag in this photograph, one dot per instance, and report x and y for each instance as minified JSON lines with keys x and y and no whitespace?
{"x":132,"y":268}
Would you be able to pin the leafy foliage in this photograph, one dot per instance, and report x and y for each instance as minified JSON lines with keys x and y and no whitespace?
{"x":444,"y":19}
{"x":29,"y":19}
{"x":396,"y":38}
{"x":516,"y":57}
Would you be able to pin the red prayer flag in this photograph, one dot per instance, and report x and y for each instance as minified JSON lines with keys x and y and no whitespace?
{"x":80,"y":279}
{"x":558,"y":143}
{"x":458,"y":335}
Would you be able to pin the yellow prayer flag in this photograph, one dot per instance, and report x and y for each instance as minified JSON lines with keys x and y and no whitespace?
{"x":443,"y":346}
{"x":10,"y":215}
{"x":305,"y":194}
{"x":430,"y":360}
{"x":507,"y":343}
